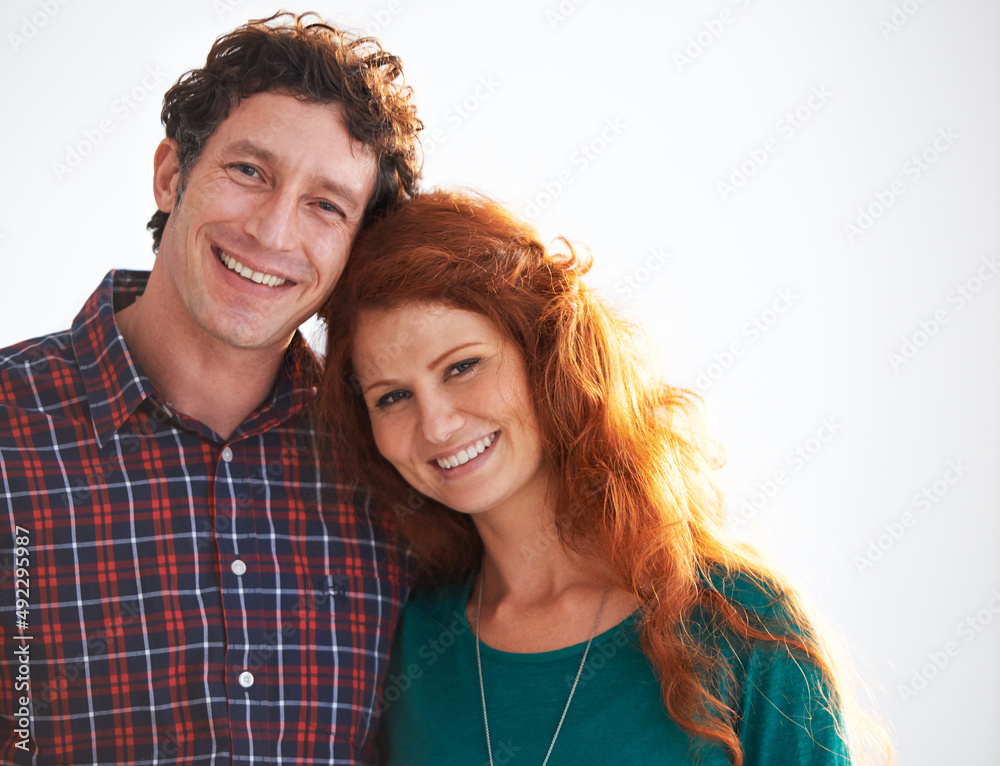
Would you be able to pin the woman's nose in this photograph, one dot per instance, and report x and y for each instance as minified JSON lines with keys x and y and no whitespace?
{"x":439,"y":419}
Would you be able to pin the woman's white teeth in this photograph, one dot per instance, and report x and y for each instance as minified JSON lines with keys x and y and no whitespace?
{"x":247,"y":273}
{"x":464,"y":456}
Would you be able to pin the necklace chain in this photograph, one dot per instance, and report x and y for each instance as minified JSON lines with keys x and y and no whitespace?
{"x":579,"y":672}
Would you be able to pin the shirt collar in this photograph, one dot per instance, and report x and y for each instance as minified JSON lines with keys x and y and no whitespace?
{"x":294,"y":390}
{"x":116,"y":386}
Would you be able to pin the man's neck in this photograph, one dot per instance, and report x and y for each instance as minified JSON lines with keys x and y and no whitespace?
{"x":211,"y":382}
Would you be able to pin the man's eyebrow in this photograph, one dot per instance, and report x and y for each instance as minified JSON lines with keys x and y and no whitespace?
{"x":342,"y":192}
{"x":249,"y":147}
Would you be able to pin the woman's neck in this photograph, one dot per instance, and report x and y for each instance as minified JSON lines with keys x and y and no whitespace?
{"x":537,"y":595}
{"x":524,"y":559}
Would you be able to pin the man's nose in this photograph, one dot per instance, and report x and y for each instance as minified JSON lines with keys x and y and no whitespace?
{"x":274,"y":222}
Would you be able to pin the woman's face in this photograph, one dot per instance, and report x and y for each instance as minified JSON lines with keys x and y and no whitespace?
{"x":449,"y":405}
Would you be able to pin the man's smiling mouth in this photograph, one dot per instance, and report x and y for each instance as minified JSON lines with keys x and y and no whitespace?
{"x":247,"y":273}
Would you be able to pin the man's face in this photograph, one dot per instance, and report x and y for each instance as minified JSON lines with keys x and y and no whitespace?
{"x":268,"y":215}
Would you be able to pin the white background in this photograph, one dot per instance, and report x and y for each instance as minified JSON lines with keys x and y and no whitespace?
{"x":670,"y":100}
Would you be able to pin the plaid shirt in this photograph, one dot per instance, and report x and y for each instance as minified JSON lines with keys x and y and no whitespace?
{"x":168,"y":596}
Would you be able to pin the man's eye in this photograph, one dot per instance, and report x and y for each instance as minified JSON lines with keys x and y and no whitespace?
{"x":391,"y":398}
{"x":463,"y":367}
{"x":247,"y":170}
{"x":329,"y":207}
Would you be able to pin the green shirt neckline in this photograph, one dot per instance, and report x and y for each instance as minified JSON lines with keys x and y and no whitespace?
{"x":553,"y":655}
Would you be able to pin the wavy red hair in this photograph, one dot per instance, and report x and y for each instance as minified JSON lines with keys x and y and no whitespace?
{"x":636,"y":490}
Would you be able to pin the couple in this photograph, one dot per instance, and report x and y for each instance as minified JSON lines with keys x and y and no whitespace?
{"x":204,"y":583}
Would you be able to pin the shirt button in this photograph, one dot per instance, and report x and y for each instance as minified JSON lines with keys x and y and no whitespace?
{"x":238,"y":567}
{"x":246,"y":679}
{"x":227,"y":455}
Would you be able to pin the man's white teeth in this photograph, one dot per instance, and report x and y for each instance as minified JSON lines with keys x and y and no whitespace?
{"x":464,"y":456}
{"x":247,"y":273}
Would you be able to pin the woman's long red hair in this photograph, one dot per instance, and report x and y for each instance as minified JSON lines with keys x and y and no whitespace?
{"x":636,"y":488}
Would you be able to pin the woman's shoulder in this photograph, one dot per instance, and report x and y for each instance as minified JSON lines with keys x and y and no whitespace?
{"x":759,"y":627}
{"x":781,"y":691}
{"x":440,"y":605}
{"x":765,"y":601}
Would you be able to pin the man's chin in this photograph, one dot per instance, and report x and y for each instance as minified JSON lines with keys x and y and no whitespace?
{"x":248,"y":337}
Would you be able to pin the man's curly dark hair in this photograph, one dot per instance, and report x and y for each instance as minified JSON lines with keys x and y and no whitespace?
{"x":312,"y":60}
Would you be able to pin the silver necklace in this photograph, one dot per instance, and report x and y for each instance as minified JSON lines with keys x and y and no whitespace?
{"x":579,"y":672}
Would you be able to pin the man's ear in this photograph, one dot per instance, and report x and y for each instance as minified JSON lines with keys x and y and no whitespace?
{"x":166,"y":175}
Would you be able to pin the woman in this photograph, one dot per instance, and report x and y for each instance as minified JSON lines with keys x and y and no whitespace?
{"x":581,"y":601}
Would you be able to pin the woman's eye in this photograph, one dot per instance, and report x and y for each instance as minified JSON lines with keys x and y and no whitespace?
{"x":461,"y":368}
{"x":391,"y":398}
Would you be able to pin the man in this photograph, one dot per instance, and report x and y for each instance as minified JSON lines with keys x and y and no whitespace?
{"x":186,"y":580}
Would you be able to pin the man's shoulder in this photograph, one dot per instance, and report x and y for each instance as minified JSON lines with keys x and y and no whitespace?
{"x":38,"y":357}
{"x":33,"y":370}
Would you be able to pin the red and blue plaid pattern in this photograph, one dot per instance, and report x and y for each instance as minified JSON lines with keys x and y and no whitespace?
{"x":187,"y":599}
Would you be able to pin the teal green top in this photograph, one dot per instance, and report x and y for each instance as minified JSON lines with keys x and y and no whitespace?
{"x":432,"y":711}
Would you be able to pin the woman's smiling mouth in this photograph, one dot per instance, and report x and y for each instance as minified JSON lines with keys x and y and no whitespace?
{"x":469,"y":453}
